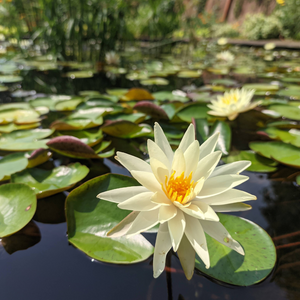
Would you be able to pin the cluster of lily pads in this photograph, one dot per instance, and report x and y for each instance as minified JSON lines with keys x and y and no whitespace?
{"x":91,"y":126}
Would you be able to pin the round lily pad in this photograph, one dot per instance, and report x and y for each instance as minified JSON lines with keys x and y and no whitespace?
{"x":155,"y":81}
{"x":49,"y":182}
{"x":189,"y":74}
{"x":287,"y":111}
{"x":231,"y":267}
{"x":10,"y":78}
{"x":261,"y":87}
{"x":90,"y":218}
{"x":17,"y":207}
{"x":192,"y":111}
{"x":11,"y":164}
{"x":80,"y":74}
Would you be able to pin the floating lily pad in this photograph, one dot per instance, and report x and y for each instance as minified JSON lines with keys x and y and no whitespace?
{"x":133,"y":117}
{"x":137,"y":94}
{"x":24,"y":140}
{"x":290,"y":137}
{"x":89,"y":219}
{"x":261,"y":87}
{"x":151,"y":109}
{"x":10,"y":78}
{"x":117,"y":92}
{"x":17,"y":207}
{"x":89,"y":93}
{"x":13,"y":127}
{"x":154,"y":81}
{"x":19,"y":116}
{"x":287,"y":111}
{"x":38,"y":157}
{"x":68,"y":105}
{"x":284,"y":153}
{"x":190,"y":111}
{"x":11,"y":164}
{"x":3,"y":88}
{"x":49,"y":182}
{"x":126,"y":129}
{"x":80,"y":74}
{"x":258,"y":163}
{"x":189,"y":74}
{"x":166,"y":95}
{"x":224,"y":81}
{"x":229,"y":266}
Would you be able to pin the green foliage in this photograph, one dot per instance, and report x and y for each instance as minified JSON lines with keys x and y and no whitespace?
{"x":224,"y":30}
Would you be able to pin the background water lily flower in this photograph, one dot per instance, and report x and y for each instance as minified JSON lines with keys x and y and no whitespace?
{"x":181,"y":191}
{"x":232,"y":103}
{"x":225,"y":56}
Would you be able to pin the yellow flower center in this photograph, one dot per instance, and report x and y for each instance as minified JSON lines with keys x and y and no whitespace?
{"x":180,"y":188}
{"x":230,"y":99}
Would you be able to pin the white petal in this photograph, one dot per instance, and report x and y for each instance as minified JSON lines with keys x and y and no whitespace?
{"x":231,"y":196}
{"x":122,"y":194}
{"x":232,"y":168}
{"x":148,"y":180}
{"x":217,"y":231}
{"x":188,"y":138}
{"x":192,"y":210}
{"x":220,"y":184}
{"x":144,"y":221}
{"x":122,"y":228}
{"x":166,"y":213}
{"x":131,"y":162}
{"x":162,"y":142}
{"x":176,"y":229}
{"x":196,"y":237}
{"x":156,"y":152}
{"x":209,"y":145}
{"x":163,"y":245}
{"x":139,"y":202}
{"x":206,"y":165}
{"x":186,"y":254}
{"x":209,"y":213}
{"x":191,"y":157}
{"x":231,"y":207}
{"x":178,"y":164}
{"x":159,"y":170}
{"x":162,"y":199}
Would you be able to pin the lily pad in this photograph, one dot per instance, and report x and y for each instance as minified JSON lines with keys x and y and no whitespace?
{"x":89,"y":219}
{"x":137,"y":94}
{"x":189,"y":74}
{"x":190,"y":111}
{"x":290,"y":137}
{"x":13,"y":127}
{"x":258,"y":163}
{"x":19,"y":116}
{"x":229,"y":266}
{"x":171,"y":96}
{"x":11,"y":164}
{"x":290,"y":112}
{"x":155,"y":81}
{"x":80,"y":74}
{"x":17,"y":207}
{"x":68,"y":105}
{"x":10,"y":78}
{"x":151,"y":109}
{"x":49,"y":182}
{"x":261,"y":87}
{"x":284,"y":153}
{"x":117,"y":92}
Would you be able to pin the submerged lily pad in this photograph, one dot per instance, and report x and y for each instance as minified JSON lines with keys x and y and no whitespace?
{"x":89,"y":219}
{"x":49,"y":182}
{"x":284,"y":153}
{"x":229,"y":266}
{"x":11,"y":164}
{"x":17,"y":207}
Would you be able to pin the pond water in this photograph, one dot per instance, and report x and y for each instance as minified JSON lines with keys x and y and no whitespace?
{"x":38,"y":262}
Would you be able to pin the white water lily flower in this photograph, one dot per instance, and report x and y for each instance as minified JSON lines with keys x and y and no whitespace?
{"x":182,"y":192}
{"x":232,"y":103}
{"x":225,"y":56}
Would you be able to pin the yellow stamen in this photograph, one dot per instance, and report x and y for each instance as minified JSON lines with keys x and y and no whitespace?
{"x":180,"y":188}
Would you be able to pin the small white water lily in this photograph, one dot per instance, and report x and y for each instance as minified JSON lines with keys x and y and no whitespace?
{"x":181,"y":191}
{"x":225,"y":56}
{"x":232,"y":103}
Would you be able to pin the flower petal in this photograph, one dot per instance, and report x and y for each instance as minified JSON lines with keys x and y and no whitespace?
{"x":186,"y":254}
{"x":131,"y":162}
{"x":228,"y":197}
{"x":178,"y":164}
{"x":191,"y":157}
{"x":144,"y":221}
{"x":162,"y":142}
{"x":148,"y":180}
{"x":176,"y":229}
{"x":156,"y":152}
{"x":161,"y":198}
{"x":188,"y":138}
{"x":163,"y":245}
{"x":209,"y":145}
{"x":220,"y":184}
{"x":232,"y":168}
{"x":206,"y":165}
{"x":159,"y":170}
{"x":196,"y":237}
{"x":122,"y":228}
{"x":192,"y":210}
{"x":217,"y":231}
{"x":166,"y":213}
{"x":122,"y":194}
{"x":139,"y":202}
{"x":231,"y":207}
{"x":208,"y":212}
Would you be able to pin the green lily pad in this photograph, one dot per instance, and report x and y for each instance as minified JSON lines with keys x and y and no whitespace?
{"x":261,"y":87}
{"x":229,"y":266}
{"x":24,"y":140}
{"x":155,"y":81}
{"x":3,"y":88}
{"x":290,"y":112}
{"x":290,"y":92}
{"x":80,"y":74}
{"x":117,"y":92}
{"x":89,"y":219}
{"x":189,"y":74}
{"x":224,"y":81}
{"x":284,"y":153}
{"x":17,"y":207}
{"x":10,"y":78}
{"x":193,"y":110}
{"x":11,"y":164}
{"x":68,"y":105}
{"x":89,"y":93}
{"x":19,"y":116}
{"x":258,"y":163}
{"x":49,"y":182}
{"x":171,"y":96}
{"x":290,"y":137}
{"x":133,"y":117}
{"x":13,"y":127}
